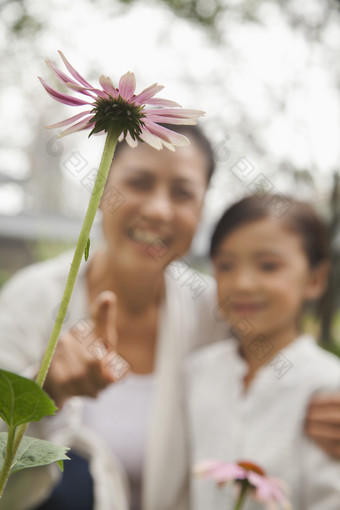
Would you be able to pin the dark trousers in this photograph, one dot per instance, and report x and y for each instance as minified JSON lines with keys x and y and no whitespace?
{"x":75,"y":490}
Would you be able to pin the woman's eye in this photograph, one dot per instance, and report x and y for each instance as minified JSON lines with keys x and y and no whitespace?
{"x":224,"y":266}
{"x":140,"y":184}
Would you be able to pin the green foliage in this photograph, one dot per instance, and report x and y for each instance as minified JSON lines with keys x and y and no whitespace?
{"x":22,"y":400}
{"x":205,"y":12}
{"x":24,"y":23}
{"x":331,"y":347}
{"x":4,"y":275}
{"x":33,"y":452}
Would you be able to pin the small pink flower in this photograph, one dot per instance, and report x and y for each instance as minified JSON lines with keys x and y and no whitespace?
{"x":247,"y":476}
{"x":220,"y":472}
{"x":120,"y":108}
{"x":269,"y":490}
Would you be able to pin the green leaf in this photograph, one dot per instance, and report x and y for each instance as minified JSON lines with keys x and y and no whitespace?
{"x":33,"y":452}
{"x":22,"y":400}
{"x":87,"y":250}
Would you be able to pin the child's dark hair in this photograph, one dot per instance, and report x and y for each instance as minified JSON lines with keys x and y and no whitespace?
{"x":193,"y":132}
{"x":299,"y":216}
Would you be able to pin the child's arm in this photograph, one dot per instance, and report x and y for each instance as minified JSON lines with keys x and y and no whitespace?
{"x":323,"y":422}
{"x":320,"y":481}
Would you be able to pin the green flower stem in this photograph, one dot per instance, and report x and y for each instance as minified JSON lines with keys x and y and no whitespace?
{"x":8,"y":460}
{"x":109,"y":149}
{"x":243,"y":495}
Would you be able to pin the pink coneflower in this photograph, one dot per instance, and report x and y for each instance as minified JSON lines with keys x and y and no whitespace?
{"x":120,"y":109}
{"x":220,"y":472}
{"x":250,"y":480}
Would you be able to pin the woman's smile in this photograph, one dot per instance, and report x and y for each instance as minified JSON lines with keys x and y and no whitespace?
{"x":142,"y":235}
{"x":150,"y":242}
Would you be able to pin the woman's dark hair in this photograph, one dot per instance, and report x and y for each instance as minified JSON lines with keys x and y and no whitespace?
{"x":299,"y":217}
{"x":194,"y":133}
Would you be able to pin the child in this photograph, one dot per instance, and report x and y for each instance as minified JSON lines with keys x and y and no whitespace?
{"x":247,"y":396}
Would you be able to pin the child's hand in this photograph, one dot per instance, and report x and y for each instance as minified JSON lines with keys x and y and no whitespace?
{"x":323,"y":422}
{"x":85,"y":360}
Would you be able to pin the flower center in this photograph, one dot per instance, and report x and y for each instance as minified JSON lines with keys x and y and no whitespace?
{"x":117,"y":114}
{"x":249,"y":466}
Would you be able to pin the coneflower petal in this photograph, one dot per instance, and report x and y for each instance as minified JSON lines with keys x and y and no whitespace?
{"x":80,"y":88}
{"x":98,"y":92}
{"x":162,"y":102}
{"x":74,"y":73}
{"x":168,"y":145}
{"x":127,"y":85}
{"x":177,"y":112}
{"x":147,"y":93}
{"x":130,"y":141}
{"x":84,"y":124}
{"x":166,"y":134}
{"x":170,"y":120}
{"x":59,"y":74}
{"x":62,"y":98}
{"x":151,"y":139}
{"x":68,"y":121}
{"x":108,"y":86}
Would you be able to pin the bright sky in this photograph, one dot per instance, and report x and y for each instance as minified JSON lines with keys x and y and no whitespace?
{"x":265,"y":77}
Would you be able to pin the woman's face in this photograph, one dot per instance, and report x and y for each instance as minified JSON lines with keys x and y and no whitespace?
{"x":152,"y":203}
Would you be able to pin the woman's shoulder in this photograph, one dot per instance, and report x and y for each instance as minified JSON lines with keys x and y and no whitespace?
{"x":209,"y":356}
{"x":195,"y":292}
{"x":193,"y":299}
{"x":189,"y":283}
{"x":39,"y":274}
{"x":39,"y":284}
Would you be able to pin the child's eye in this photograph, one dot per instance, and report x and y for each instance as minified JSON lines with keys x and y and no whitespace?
{"x":182,"y":193}
{"x":269,"y":266}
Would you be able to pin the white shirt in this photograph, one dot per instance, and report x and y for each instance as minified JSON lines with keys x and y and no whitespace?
{"x":263,"y":425}
{"x":120,"y":415}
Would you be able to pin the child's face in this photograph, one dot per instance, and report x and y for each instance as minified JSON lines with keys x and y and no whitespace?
{"x":263,"y":278}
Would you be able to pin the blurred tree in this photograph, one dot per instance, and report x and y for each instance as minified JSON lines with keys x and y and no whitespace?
{"x":22,"y":22}
{"x":206,"y":13}
{"x":331,"y":301}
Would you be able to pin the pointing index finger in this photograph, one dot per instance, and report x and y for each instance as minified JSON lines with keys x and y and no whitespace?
{"x":103,"y":314}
